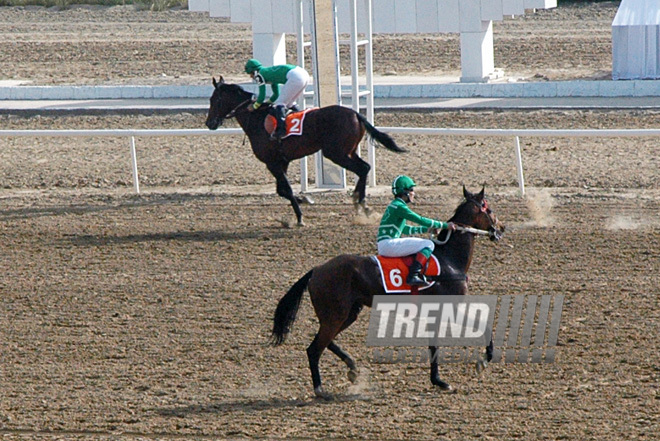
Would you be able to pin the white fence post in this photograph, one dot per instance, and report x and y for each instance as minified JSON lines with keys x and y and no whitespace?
{"x":136,"y":180}
{"x":521,"y":178}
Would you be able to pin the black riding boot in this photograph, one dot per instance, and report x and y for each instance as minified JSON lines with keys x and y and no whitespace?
{"x":280,"y":116}
{"x":415,"y":276}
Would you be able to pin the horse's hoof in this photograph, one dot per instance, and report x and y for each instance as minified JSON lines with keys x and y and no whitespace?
{"x":444,"y":387}
{"x":304,"y":199}
{"x":300,"y":224}
{"x":480,"y":366}
{"x":321,"y":394}
{"x":353,"y":375}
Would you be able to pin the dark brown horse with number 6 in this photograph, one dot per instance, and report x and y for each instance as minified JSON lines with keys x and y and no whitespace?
{"x":342,"y":286}
{"x":335,"y":130}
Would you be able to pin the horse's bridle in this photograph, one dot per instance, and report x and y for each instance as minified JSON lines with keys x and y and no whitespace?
{"x":232,"y":112}
{"x":492,"y":230}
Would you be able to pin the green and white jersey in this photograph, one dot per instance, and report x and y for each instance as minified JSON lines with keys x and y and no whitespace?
{"x":393,"y":224}
{"x":274,"y":76}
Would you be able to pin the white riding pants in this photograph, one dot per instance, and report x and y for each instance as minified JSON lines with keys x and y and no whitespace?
{"x":296,"y":81}
{"x":403,"y":246}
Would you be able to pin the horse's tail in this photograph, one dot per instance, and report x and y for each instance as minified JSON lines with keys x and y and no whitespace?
{"x":382,"y":137}
{"x":287,"y":308}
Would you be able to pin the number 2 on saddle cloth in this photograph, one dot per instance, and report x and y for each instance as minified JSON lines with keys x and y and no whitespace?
{"x":294,"y":122}
{"x":394,"y":271}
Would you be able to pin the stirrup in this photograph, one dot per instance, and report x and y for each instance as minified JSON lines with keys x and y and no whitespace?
{"x":416,"y":280}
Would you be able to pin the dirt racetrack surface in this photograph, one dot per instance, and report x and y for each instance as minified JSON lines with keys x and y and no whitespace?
{"x":131,"y":317}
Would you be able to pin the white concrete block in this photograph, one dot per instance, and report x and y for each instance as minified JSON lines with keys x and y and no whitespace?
{"x":646,"y":88}
{"x":406,"y":16}
{"x":448,"y":15}
{"x":477,"y":57}
{"x":262,"y":21}
{"x":540,"y":4}
{"x":270,"y":49}
{"x":540,"y":90}
{"x":199,"y":5}
{"x":491,"y":10}
{"x":219,"y":8}
{"x":283,"y":18}
{"x":383,"y":18}
{"x":577,"y":88}
{"x":131,"y":92}
{"x":513,"y":7}
{"x":615,"y":88}
{"x":427,"y":16}
{"x":470,"y":16}
{"x":241,"y":11}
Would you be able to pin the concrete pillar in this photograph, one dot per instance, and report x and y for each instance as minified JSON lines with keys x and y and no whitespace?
{"x":269,"y":48}
{"x":477,"y":56}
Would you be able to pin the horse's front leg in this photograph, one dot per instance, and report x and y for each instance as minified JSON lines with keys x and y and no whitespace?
{"x":482,"y":364}
{"x":284,"y":188}
{"x":435,"y":376}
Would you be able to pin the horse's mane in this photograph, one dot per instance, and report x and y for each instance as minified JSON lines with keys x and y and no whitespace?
{"x":235,"y":88}
{"x":458,"y":209}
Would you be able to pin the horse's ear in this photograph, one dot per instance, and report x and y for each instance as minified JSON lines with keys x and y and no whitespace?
{"x":481,"y":194}
{"x":217,"y":83}
{"x":466,"y":194}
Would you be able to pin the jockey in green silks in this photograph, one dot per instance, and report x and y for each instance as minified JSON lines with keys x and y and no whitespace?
{"x":294,"y":80}
{"x":393,"y":225}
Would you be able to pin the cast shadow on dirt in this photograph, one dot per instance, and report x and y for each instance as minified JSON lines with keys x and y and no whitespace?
{"x":108,"y":203}
{"x":90,"y":240}
{"x":254,"y":405}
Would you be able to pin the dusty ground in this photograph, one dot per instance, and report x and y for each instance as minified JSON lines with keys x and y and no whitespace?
{"x":88,"y":45}
{"x":145,"y":316}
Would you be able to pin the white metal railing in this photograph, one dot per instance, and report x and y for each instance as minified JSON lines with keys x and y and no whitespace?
{"x":131,"y":133}
{"x":512,"y":133}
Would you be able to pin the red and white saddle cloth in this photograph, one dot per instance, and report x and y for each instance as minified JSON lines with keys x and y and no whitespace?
{"x":394,"y":272}
{"x":294,"y":122}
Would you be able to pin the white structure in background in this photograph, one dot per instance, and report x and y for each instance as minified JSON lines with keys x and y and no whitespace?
{"x":636,"y":40}
{"x":473,"y":19}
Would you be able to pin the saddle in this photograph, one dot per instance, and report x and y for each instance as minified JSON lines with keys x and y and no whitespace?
{"x":394,"y":271}
{"x":294,"y":122}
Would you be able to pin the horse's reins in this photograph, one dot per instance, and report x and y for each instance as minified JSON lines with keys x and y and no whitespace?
{"x":233,"y":111}
{"x":465,"y":230}
{"x":476,"y":231}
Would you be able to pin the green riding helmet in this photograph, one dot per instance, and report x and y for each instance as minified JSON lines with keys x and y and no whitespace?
{"x":402,"y":184}
{"x":252,"y":65}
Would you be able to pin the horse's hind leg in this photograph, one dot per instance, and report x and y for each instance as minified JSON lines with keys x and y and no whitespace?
{"x":284,"y":188}
{"x":339,"y":352}
{"x":321,"y":341}
{"x":343,"y":355}
{"x":361,"y":168}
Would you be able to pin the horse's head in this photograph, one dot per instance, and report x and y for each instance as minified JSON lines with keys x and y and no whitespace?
{"x":225,"y":101}
{"x":475,"y":212}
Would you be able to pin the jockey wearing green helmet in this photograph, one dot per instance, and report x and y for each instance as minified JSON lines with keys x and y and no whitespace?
{"x":294,"y":80}
{"x":393,"y":225}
